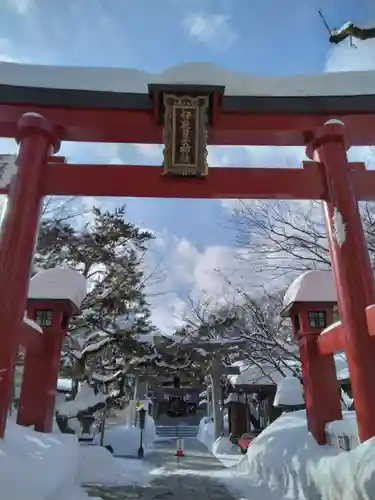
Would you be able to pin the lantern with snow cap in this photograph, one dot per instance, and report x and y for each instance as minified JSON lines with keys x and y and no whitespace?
{"x":310,"y":302}
{"x":54,"y":296}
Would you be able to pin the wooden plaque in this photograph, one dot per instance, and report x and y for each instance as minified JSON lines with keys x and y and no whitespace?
{"x":185,"y":135}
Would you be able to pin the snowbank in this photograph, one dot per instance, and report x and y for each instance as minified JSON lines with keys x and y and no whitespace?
{"x":228,"y":453}
{"x":125,"y":439}
{"x":284,"y":462}
{"x":98,"y":466}
{"x":348,"y":476}
{"x":280,"y":456}
{"x":223,"y":446}
{"x":35,"y":466}
{"x":206,"y":431}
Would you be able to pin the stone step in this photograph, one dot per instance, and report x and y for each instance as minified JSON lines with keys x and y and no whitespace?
{"x":183,"y":431}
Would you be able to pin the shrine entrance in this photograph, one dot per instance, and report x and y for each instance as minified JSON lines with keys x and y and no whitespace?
{"x":187,"y":118}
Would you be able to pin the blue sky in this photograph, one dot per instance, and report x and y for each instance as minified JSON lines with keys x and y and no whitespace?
{"x":271,"y":37}
{"x":251,"y":36}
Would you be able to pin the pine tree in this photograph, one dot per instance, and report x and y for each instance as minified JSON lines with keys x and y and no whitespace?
{"x":114,"y":324}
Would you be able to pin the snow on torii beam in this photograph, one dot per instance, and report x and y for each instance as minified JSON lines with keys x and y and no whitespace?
{"x":114,"y":105}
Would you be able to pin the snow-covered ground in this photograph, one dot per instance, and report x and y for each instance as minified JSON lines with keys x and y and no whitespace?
{"x":36,"y":466}
{"x":284,"y":462}
{"x":98,"y":466}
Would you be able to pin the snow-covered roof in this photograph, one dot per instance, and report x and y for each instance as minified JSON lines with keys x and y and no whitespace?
{"x":59,"y":284}
{"x":311,"y":286}
{"x":126,"y":80}
{"x":264,"y":374}
{"x":267,"y":374}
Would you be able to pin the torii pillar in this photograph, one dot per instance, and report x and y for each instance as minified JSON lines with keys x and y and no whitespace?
{"x":217,"y":370}
{"x":351,"y":267}
{"x":37,"y":140}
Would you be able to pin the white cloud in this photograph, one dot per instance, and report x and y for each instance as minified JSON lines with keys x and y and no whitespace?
{"x":213,"y":30}
{"x":189,"y":272}
{"x":6,"y":50}
{"x":21,"y":7}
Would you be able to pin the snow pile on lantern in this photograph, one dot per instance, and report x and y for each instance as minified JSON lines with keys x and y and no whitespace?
{"x":289,"y":393}
{"x":311,"y":286}
{"x":59,"y":284}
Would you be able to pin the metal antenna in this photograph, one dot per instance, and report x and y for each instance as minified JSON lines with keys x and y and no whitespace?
{"x":324,"y":21}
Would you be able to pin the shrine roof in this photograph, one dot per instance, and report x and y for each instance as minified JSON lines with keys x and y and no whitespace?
{"x":266,"y":374}
{"x":120,"y":88}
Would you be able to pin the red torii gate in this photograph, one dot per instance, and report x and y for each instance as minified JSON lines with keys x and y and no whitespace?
{"x":40,"y":118}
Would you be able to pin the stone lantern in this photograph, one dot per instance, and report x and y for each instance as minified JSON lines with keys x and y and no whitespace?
{"x":55,"y":295}
{"x":238,"y":409}
{"x":310,"y":302}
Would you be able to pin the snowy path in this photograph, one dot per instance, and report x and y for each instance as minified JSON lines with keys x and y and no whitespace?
{"x":193,"y":477}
